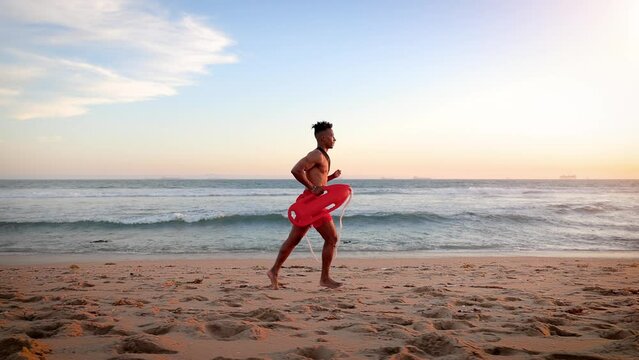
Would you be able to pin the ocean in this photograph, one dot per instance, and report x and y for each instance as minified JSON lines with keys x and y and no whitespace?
{"x":385,"y":217}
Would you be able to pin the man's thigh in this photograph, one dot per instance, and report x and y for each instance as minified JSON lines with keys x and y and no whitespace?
{"x":298,"y":232}
{"x":327,"y":230}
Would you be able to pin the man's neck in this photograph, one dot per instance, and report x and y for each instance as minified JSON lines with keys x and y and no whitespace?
{"x":322,"y":147}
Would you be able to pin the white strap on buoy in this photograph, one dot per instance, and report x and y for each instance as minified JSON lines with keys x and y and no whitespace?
{"x":339,"y":233}
{"x":310,"y":247}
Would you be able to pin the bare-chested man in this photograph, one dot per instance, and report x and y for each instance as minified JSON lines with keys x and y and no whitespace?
{"x":312,"y":171}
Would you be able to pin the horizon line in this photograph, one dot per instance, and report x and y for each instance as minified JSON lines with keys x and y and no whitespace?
{"x":292,"y":179}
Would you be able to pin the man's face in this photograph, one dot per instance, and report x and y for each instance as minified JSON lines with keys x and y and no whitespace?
{"x":329,"y":139}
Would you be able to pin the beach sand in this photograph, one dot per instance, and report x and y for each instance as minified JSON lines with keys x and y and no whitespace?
{"x":446,"y":307}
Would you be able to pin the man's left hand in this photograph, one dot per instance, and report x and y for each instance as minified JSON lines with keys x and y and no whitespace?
{"x":336,"y":174}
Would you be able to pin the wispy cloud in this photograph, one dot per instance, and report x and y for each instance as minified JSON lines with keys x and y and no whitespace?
{"x":69,"y":55}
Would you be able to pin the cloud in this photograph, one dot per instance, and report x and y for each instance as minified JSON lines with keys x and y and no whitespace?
{"x":70,"y":55}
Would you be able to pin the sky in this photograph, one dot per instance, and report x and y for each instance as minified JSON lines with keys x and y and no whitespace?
{"x":230,"y":89}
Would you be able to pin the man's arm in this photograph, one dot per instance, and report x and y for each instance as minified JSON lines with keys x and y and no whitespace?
{"x":305,"y":164}
{"x":334,"y":175}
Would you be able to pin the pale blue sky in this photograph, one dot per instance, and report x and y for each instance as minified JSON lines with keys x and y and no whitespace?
{"x":446,"y":89}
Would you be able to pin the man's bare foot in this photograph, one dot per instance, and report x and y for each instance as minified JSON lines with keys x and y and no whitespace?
{"x":271,"y":275}
{"x":330,"y":283}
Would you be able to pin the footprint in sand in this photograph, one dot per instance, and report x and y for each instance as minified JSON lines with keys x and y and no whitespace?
{"x":27,"y":315}
{"x":627,"y":346}
{"x":441,"y":345}
{"x":407,"y":352}
{"x":232,"y":301}
{"x":612,"y":292}
{"x":97,"y":328}
{"x":559,"y":319}
{"x":29,"y":299}
{"x":191,"y":327}
{"x":540,"y":328}
{"x":71,"y":329}
{"x":437,"y":312}
{"x":361,"y":328}
{"x":345,"y":305}
{"x":144,"y":344}
{"x":452,"y":325}
{"x":9,"y":295}
{"x":394,"y":332}
{"x":265,"y":314}
{"x":130,"y":302}
{"x":429,"y":291}
{"x":158,"y":329}
{"x":195,"y":298}
{"x":616,"y":334}
{"x":44,"y":331}
{"x":396,"y":320}
{"x":232,"y":330}
{"x":77,"y":302}
{"x":507,"y":351}
{"x":20,"y":347}
{"x":319,"y":352}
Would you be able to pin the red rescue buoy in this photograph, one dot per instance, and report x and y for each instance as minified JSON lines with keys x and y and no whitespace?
{"x":309,"y":209}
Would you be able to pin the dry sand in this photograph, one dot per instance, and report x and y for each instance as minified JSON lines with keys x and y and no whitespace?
{"x":446,"y":308}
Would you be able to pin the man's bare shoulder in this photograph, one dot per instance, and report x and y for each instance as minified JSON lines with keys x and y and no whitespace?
{"x":315,"y":156}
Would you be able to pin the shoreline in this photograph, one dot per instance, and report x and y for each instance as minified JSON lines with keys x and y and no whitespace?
{"x":56,"y":258}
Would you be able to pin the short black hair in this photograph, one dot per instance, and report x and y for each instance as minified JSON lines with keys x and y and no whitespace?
{"x":321,"y":126}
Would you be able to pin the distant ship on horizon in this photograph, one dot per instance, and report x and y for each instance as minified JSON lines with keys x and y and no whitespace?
{"x":568,"y":177}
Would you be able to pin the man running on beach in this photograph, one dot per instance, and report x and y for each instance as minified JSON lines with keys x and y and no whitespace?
{"x":312,"y":171}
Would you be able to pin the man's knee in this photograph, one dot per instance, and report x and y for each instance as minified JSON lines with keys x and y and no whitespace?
{"x":293,"y":241}
{"x":330,"y":239}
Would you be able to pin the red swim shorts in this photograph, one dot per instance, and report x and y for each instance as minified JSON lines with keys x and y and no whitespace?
{"x":325,"y":217}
